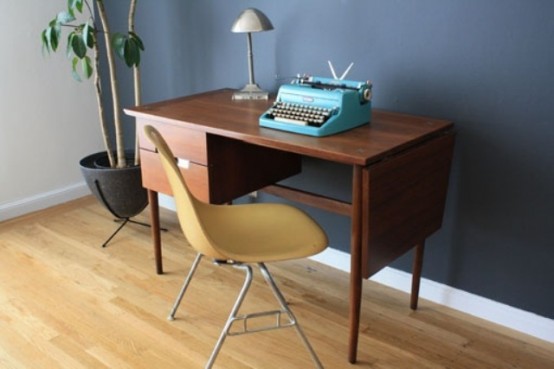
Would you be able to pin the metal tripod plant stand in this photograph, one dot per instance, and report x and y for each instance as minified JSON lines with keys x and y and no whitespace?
{"x":123,"y":220}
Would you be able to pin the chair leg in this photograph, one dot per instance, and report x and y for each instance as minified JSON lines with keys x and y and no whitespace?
{"x":233,"y":314}
{"x":282,"y":302}
{"x":184,"y":287}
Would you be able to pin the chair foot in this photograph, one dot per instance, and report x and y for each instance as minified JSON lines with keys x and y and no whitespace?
{"x":234,"y":311}
{"x":186,"y":283}
{"x":284,"y":306}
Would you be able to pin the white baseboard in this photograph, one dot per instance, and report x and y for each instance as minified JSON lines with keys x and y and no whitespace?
{"x":42,"y":201}
{"x":510,"y":317}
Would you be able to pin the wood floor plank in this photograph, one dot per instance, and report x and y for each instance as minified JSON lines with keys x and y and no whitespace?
{"x":66,"y":302}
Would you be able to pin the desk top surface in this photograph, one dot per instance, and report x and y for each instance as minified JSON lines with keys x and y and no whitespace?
{"x":215,"y":112}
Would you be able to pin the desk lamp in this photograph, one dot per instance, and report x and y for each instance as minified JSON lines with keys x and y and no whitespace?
{"x":251,"y":20}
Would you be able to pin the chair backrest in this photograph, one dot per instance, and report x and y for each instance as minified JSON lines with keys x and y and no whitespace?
{"x":188,"y":206}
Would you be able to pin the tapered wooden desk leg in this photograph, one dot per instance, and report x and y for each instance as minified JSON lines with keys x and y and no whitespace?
{"x":416,"y":274}
{"x":155,"y":221}
{"x":355,"y":264}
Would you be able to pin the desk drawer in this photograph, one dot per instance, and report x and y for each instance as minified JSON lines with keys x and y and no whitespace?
{"x":154,"y":177}
{"x":185,"y":143}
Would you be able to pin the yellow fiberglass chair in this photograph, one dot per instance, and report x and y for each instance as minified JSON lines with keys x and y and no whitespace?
{"x":239,"y":235}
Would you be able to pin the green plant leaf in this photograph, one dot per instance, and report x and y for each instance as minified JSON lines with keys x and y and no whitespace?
{"x":69,"y":51}
{"x":132,"y":53}
{"x":44,"y":39}
{"x":64,"y":17}
{"x":86,"y":65}
{"x":77,"y":45}
{"x":85,"y":34}
{"x":75,"y":4}
{"x":118,"y":43}
{"x":52,"y":38}
{"x":51,"y":35}
{"x":88,"y":35}
{"x":74,"y":73}
{"x":128,"y":47}
{"x":135,"y":37}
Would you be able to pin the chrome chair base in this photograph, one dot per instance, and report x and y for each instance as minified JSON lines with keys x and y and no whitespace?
{"x":284,"y":318}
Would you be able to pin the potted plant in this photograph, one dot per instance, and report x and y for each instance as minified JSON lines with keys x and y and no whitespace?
{"x":113,"y":175}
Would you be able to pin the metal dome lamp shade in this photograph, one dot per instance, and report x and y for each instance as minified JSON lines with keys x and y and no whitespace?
{"x":251,"y":20}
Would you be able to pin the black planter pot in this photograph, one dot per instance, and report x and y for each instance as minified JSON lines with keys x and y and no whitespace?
{"x":118,"y":189}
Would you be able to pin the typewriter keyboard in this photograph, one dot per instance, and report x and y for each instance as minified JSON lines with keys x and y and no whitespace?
{"x":300,"y":114}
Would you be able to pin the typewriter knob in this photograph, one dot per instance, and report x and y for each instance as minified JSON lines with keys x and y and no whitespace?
{"x":367,"y":94}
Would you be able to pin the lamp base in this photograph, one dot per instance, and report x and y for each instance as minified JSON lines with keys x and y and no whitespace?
{"x":251,"y":92}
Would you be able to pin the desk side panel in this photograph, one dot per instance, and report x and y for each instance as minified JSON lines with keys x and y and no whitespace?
{"x":406,"y":198}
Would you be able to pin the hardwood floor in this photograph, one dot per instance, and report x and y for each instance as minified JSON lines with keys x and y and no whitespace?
{"x":66,"y":302}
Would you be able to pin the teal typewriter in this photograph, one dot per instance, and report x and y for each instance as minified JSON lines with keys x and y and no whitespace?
{"x":318,"y":106}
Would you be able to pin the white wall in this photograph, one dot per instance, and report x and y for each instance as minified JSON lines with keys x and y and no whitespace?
{"x":48,"y":121}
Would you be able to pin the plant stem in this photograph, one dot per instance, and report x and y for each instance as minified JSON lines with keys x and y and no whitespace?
{"x":98,"y":88}
{"x":121,"y":162}
{"x":89,"y":8}
{"x":136,"y":76}
{"x":101,"y":114}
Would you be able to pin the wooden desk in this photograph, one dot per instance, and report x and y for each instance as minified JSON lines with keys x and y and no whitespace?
{"x":400,"y":168}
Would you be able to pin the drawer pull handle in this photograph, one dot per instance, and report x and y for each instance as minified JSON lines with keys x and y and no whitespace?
{"x":183,"y":163}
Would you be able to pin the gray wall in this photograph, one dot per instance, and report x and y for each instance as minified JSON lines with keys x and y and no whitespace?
{"x":487,"y":65}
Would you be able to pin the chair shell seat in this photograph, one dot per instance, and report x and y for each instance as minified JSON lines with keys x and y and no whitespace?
{"x":240,"y":232}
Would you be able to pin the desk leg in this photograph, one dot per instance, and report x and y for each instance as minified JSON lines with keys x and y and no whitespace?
{"x":155,"y":221}
{"x":416,"y":274}
{"x":355,"y":263}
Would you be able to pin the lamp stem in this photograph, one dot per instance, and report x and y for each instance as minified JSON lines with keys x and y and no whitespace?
{"x":250,"y":59}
